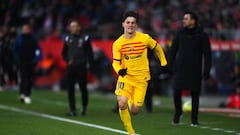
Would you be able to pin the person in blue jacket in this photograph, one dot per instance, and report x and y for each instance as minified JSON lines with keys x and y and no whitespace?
{"x":27,"y":53}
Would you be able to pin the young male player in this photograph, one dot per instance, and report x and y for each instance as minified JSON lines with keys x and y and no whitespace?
{"x":131,"y":63}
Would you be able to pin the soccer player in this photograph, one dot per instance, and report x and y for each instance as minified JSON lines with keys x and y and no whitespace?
{"x":130,"y":61}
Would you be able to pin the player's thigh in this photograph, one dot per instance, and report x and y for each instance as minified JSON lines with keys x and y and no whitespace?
{"x":140,"y":89}
{"x":123,"y":89}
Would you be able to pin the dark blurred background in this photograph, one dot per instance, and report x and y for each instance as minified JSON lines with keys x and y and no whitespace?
{"x":101,"y":19}
{"x":159,"y":18}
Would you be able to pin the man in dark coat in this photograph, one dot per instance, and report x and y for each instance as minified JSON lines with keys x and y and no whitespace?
{"x":190,"y":49}
{"x":77,"y":52}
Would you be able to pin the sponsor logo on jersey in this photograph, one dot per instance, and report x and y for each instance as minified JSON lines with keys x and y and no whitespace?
{"x":132,"y":57}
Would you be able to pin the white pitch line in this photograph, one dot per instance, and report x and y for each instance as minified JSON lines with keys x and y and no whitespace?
{"x":89,"y":124}
{"x":204,"y":127}
{"x":229,"y":131}
{"x":218,"y":129}
{"x":63,"y":119}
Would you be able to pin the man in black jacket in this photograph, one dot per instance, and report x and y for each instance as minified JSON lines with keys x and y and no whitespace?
{"x":77,"y":52}
{"x":189,"y":46}
{"x":27,"y":53}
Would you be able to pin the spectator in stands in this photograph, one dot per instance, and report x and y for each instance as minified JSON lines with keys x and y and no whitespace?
{"x":221,"y":18}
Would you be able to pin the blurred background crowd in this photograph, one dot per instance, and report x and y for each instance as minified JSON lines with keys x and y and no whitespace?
{"x":220,"y":18}
{"x":101,"y":19}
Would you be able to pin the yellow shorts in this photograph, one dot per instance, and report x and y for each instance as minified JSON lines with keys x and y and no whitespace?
{"x":135,"y":91}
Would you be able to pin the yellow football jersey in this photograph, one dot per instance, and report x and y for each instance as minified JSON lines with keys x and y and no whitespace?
{"x":132,"y":54}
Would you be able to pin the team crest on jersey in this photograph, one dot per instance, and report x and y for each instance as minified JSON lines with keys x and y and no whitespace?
{"x":80,"y":42}
{"x":68,"y":39}
{"x":131,"y":48}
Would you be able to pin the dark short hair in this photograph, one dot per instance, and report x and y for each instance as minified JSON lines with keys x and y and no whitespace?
{"x":130,"y":13}
{"x":76,"y":21}
{"x":193,"y":16}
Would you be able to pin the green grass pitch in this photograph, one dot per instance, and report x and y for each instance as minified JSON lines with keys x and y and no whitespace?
{"x":22,"y":122}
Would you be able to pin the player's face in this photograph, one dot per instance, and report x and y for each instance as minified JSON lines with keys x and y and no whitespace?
{"x":130,"y":25}
{"x":74,"y":28}
{"x":187,"y":21}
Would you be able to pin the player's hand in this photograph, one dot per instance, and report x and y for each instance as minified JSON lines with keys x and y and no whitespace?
{"x":164,"y":69}
{"x":122,"y":72}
